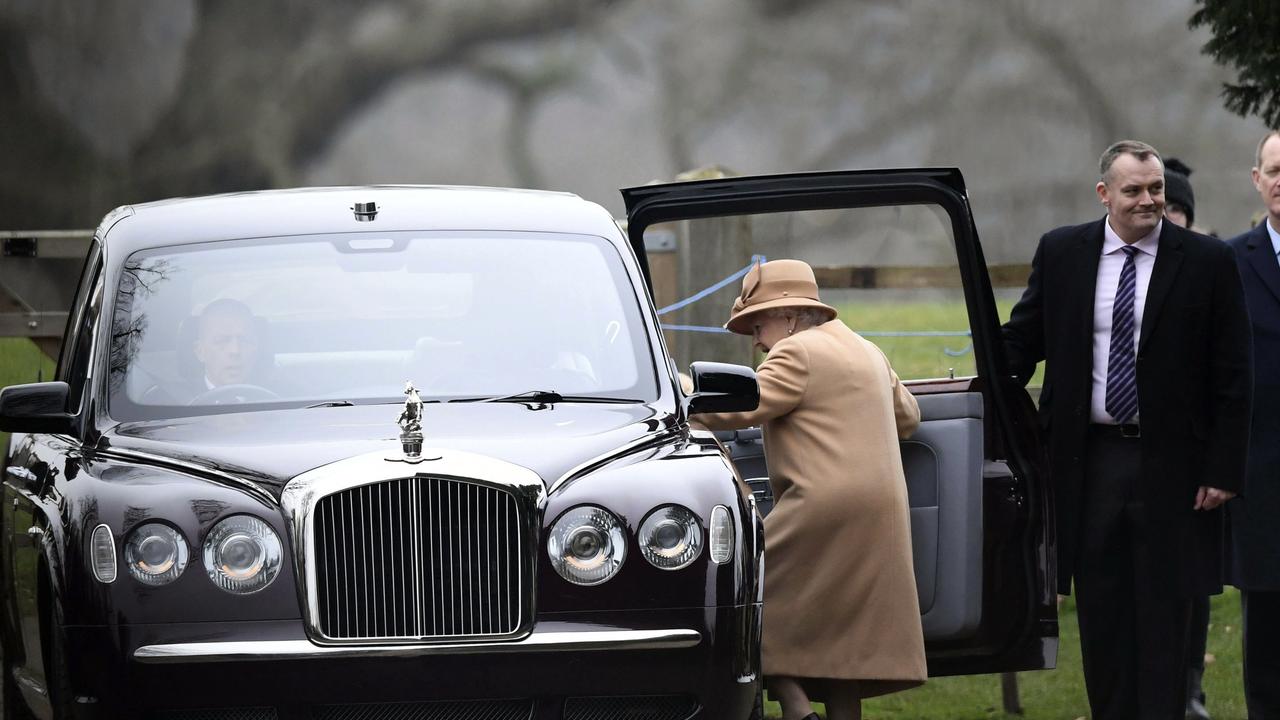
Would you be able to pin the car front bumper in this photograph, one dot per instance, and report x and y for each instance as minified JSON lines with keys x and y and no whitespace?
{"x":676,"y":664}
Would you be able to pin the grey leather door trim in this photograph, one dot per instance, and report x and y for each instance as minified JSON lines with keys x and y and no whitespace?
{"x":943,"y":463}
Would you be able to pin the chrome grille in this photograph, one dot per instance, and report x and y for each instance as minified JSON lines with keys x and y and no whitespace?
{"x":420,"y":558}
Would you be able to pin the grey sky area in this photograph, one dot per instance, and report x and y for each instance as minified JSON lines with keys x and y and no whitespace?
{"x":134,"y":100}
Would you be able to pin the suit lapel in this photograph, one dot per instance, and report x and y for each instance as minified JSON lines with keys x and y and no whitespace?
{"x":1168,"y":258}
{"x":1261,"y":256}
{"x":1085,"y":270}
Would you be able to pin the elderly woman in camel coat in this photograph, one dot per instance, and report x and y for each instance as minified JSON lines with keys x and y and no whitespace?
{"x":841,"y":617}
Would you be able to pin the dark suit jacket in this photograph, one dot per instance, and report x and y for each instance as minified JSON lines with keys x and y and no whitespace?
{"x":1194,"y":375}
{"x":1255,"y":517}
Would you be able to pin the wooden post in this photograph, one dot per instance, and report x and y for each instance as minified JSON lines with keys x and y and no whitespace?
{"x":1009,"y":694}
{"x":707,"y":251}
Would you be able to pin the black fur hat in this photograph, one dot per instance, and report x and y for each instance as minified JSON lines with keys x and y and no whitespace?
{"x":1177,"y":187}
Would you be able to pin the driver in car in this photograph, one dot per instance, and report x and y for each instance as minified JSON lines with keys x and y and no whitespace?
{"x":229,"y":360}
{"x":227,"y":344}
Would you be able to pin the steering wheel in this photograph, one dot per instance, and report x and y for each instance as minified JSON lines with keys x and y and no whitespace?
{"x":237,"y":393}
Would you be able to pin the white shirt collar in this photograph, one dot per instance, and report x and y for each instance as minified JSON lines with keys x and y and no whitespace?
{"x":1275,"y":235}
{"x":1148,"y":244}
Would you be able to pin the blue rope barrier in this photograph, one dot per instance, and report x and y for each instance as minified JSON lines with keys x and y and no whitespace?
{"x":863,"y":333}
{"x":694,"y":328}
{"x":870,"y":333}
{"x":761,"y":258}
{"x":703,"y":293}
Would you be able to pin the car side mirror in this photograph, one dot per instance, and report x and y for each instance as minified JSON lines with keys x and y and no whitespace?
{"x":36,"y":408}
{"x":721,"y":387}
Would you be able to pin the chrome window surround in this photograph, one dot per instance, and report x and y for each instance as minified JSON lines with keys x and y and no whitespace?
{"x":303,"y":493}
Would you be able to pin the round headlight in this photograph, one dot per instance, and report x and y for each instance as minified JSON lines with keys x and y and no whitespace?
{"x":156,"y":554}
{"x":587,"y":545}
{"x":242,"y":554}
{"x":670,"y":538}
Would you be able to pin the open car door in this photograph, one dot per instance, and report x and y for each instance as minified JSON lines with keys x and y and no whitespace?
{"x":897,"y":253}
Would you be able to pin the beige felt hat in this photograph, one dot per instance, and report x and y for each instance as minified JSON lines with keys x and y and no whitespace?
{"x":775,"y":284}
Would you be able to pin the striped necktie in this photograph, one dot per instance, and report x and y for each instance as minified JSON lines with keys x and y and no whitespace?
{"x":1122,"y":375}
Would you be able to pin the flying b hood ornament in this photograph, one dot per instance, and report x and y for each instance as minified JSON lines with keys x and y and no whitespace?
{"x":410,"y":423}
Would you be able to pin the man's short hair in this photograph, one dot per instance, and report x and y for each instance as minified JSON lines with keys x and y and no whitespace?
{"x":1257,"y":159}
{"x":226,"y":307}
{"x":1136,"y":148}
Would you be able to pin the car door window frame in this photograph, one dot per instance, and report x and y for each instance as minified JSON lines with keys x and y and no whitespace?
{"x":74,"y":366}
{"x":944,"y":188}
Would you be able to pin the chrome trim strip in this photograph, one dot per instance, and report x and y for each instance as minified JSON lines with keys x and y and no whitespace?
{"x":589,"y":640}
{"x":24,"y":677}
{"x":138,"y":457}
{"x":21,"y":473}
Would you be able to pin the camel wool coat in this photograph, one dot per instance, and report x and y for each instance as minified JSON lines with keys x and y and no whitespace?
{"x":839,"y":589}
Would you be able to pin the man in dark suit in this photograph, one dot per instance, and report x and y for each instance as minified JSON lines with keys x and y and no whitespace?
{"x":1145,"y":338}
{"x":1255,"y":516}
{"x":222,"y":358}
{"x":1180,"y":209}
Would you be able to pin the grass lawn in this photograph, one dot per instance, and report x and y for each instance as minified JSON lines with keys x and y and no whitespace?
{"x":21,"y":362}
{"x":920,"y":357}
{"x":1059,"y":694}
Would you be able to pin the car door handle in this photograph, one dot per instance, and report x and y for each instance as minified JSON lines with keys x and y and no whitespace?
{"x":21,"y":473}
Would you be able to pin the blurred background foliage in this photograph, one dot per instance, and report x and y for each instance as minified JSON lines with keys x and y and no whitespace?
{"x":136,"y":100}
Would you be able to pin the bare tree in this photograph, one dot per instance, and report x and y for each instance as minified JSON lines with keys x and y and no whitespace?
{"x":263,"y":88}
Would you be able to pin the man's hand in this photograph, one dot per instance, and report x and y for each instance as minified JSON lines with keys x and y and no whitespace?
{"x":1208,"y":498}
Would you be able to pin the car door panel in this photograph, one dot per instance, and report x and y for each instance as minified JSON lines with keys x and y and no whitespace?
{"x":980,"y":508}
{"x":943,"y":465}
{"x":747,"y":449}
{"x":942,"y":462}
{"x":26,"y":531}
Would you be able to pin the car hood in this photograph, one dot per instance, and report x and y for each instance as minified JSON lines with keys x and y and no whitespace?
{"x":271,"y":447}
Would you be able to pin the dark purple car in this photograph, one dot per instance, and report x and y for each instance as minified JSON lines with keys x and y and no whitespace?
{"x":419,"y":452}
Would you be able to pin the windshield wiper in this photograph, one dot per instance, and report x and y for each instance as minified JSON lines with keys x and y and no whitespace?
{"x":535,"y":396}
{"x":331,"y":403}
{"x":544,"y":397}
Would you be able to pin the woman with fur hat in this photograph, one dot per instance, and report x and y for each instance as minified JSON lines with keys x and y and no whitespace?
{"x":842,"y":620}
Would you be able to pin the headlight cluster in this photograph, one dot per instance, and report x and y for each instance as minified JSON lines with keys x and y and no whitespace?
{"x":155,"y":554}
{"x":587,"y":545}
{"x":670,"y":538}
{"x":241,"y":554}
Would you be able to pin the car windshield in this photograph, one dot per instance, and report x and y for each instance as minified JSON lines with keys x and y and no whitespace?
{"x":297,"y":321}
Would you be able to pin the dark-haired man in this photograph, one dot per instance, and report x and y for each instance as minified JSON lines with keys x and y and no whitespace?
{"x":1145,"y":339}
{"x":1255,"y":517}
